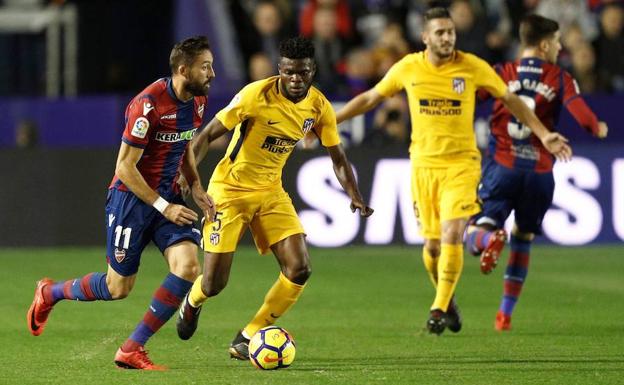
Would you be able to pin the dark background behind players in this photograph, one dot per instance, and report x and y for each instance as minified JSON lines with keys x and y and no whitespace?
{"x":117,"y":54}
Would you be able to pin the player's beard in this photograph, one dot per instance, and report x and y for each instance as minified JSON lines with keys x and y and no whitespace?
{"x":197,"y":88}
{"x":444,"y":52}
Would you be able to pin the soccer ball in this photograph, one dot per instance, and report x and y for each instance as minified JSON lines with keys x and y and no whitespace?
{"x":272,"y":348}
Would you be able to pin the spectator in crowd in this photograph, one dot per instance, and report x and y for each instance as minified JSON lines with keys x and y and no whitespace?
{"x":471,"y":30}
{"x":260,"y":26}
{"x":568,"y":13}
{"x":268,"y":21}
{"x":26,"y":134}
{"x":373,"y":16}
{"x":260,"y":67}
{"x":389,"y":48}
{"x":609,"y":48}
{"x":360,"y":71}
{"x":344,"y":21}
{"x":390,"y":124}
{"x":584,"y":67}
{"x":330,"y":52}
{"x":572,"y":38}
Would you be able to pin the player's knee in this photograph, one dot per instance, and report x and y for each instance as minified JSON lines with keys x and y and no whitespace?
{"x":187,"y":269}
{"x":299,"y":274}
{"x":433,"y":248}
{"x":434,"y":251}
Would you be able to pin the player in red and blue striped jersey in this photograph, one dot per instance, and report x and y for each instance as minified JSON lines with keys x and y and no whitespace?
{"x":144,"y":203}
{"x":518,"y":169}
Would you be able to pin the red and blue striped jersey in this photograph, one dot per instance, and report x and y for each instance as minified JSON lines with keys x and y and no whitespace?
{"x":545,"y":88}
{"x":162,"y":125}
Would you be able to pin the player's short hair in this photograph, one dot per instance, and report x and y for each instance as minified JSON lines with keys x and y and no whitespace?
{"x":535,"y":28}
{"x":187,"y":50}
{"x":297,"y":48}
{"x":436,"y":13}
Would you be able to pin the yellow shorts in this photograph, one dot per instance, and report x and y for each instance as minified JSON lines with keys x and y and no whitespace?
{"x":441,"y":194}
{"x":270,"y":215}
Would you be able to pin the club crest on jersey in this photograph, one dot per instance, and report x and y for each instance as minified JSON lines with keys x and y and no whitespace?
{"x":215,"y":238}
{"x":140,"y":127}
{"x":307,"y":125}
{"x":120,"y":254}
{"x":459,"y":85}
{"x":147,"y":107}
{"x":200,"y":110}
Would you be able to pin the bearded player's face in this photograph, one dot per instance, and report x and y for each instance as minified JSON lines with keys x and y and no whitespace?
{"x":439,"y":36}
{"x":200,"y":74}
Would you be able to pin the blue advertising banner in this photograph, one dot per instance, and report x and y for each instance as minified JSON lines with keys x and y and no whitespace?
{"x":98,"y":121}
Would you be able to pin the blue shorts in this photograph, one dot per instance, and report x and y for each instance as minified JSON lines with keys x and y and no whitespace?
{"x":131,"y":225}
{"x":502,"y":189}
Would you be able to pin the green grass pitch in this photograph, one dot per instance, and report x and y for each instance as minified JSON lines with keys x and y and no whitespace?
{"x":360,"y":321}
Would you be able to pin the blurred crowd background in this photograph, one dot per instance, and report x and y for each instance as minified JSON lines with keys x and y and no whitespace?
{"x":123,"y":45}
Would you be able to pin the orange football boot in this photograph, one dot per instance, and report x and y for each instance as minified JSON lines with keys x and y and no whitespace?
{"x":137,"y":359}
{"x":491,"y":253}
{"x":39,"y":310}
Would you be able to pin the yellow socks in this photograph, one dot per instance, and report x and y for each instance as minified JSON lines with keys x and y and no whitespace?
{"x":277,"y":301}
{"x":449,"y":269}
{"x":431,"y":265}
{"x":196,"y":295}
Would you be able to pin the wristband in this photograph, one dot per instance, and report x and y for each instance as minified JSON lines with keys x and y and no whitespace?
{"x":160,"y":204}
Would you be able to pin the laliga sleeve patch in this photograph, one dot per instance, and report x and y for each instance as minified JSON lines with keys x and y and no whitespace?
{"x":234,"y":102}
{"x":140,"y":127}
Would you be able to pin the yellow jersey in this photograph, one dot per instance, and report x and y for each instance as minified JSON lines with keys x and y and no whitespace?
{"x":442,"y":102}
{"x":267,"y":127}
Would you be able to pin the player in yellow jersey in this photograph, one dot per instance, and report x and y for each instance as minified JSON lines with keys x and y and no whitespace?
{"x":440,"y":83}
{"x":269,"y":117}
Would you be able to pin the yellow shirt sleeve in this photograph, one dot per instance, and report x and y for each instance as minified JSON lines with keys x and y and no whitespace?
{"x":326,"y":128}
{"x":238,"y":109}
{"x":487,"y":78}
{"x":391,"y":84}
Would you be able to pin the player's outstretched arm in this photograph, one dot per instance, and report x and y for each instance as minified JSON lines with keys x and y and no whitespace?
{"x":213,"y":130}
{"x":199,"y":147}
{"x":127,"y":171}
{"x":200,"y":196}
{"x":554,"y":142}
{"x":344,"y":173}
{"x":360,"y":104}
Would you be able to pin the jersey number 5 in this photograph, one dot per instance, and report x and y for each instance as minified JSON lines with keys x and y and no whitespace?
{"x":516,"y":129}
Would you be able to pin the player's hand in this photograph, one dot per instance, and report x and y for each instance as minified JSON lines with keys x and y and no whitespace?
{"x":557,"y":145}
{"x":603,"y":130}
{"x":180,"y":215}
{"x":365,"y":211}
{"x":185,"y":189}
{"x":203,"y":200}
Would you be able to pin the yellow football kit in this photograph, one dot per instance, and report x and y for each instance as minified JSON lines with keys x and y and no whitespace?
{"x":246,"y":185}
{"x":443,"y":151}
